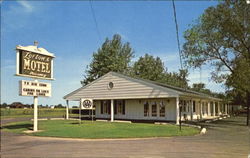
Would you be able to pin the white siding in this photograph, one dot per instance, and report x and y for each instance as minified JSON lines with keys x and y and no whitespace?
{"x":124,"y":88}
{"x":134,"y":110}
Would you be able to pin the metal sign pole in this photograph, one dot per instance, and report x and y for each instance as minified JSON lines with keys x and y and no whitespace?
{"x":180,"y":117}
{"x":92,"y":113}
{"x":35,"y":114}
{"x":35,"y":123}
{"x":80,"y":109}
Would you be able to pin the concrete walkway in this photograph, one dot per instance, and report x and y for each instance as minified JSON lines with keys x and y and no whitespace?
{"x":227,"y":138}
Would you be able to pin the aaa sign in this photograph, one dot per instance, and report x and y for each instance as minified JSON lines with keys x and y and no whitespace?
{"x":86,"y":103}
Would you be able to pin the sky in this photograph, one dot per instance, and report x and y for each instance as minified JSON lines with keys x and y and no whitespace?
{"x":68,"y":29}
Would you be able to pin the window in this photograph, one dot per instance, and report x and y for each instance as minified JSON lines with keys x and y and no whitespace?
{"x":211,"y":107}
{"x":181,"y":105}
{"x":146,"y":109}
{"x":184,"y":107}
{"x":105,"y":106}
{"x":203,"y":108}
{"x":154,"y":109}
{"x":207,"y":107}
{"x":193,"y":106}
{"x":187,"y":106}
{"x":120,"y":107}
{"x":162,"y":110}
{"x":110,"y":85}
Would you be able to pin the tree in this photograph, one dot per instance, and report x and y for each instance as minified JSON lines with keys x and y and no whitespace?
{"x":16,"y":105}
{"x":220,"y":38}
{"x":201,"y":87}
{"x":150,"y":68}
{"x":112,"y":56}
{"x":178,"y":79}
{"x":59,"y":106}
{"x":4,"y":105}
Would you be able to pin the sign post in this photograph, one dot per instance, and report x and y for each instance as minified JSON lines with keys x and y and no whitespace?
{"x":35,"y":63}
{"x":35,"y":113}
{"x":180,"y":108}
{"x":80,"y":114}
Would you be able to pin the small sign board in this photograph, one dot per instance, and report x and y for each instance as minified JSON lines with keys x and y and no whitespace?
{"x":34,"y":62}
{"x":86,"y":104}
{"x":33,"y":88}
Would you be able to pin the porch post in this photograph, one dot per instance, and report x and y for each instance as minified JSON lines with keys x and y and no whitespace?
{"x":112,"y":110}
{"x":208,"y":108}
{"x":191,"y":110}
{"x":67,"y":109}
{"x":218,"y":108}
{"x":214,"y":108}
{"x":177,"y":110}
{"x":201,"y":109}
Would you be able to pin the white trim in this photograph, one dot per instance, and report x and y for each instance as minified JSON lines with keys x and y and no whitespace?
{"x":112,"y":110}
{"x":177,"y":110}
{"x":67,"y":109}
{"x":34,"y":77}
{"x":34,"y":49}
{"x":17,"y":61}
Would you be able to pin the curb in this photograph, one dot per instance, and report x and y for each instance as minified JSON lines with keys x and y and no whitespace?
{"x":190,"y":125}
{"x":203,"y":131}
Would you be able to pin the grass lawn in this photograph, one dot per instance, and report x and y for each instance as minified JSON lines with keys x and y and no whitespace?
{"x":94,"y":130}
{"x":28,"y":113}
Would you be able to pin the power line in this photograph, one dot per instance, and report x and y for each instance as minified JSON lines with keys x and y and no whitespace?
{"x":94,"y":17}
{"x":177,"y":34}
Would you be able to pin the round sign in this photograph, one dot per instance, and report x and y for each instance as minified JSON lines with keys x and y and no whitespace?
{"x":87,"y":104}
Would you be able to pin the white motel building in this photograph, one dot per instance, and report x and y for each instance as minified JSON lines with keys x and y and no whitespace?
{"x":119,"y":97}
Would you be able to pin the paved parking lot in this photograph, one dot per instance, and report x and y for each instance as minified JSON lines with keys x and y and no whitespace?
{"x":228,"y":138}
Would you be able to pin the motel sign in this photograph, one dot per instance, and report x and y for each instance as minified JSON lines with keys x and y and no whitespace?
{"x":35,"y":63}
{"x":32,"y":88}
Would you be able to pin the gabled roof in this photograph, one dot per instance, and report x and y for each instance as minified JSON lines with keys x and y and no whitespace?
{"x":176,"y":90}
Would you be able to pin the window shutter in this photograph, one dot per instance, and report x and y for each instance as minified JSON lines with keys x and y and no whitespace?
{"x":123,"y":107}
{"x":101,"y":107}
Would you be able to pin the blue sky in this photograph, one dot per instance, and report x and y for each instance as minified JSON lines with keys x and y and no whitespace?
{"x":67,"y":29}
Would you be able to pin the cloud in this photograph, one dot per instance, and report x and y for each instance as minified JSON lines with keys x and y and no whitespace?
{"x":26,"y":5}
{"x":205,"y":77}
{"x":170,"y":57}
{"x":16,"y":14}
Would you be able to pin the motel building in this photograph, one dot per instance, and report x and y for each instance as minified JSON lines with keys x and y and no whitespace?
{"x":119,"y":97}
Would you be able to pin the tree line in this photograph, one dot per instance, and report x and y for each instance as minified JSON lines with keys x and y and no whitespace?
{"x":22,"y":105}
{"x":116,"y":56}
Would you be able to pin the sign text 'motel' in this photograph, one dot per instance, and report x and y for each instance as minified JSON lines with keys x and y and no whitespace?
{"x":35,"y":64}
{"x":32,"y":62}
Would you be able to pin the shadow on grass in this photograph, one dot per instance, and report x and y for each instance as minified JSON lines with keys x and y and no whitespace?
{"x":27,"y":126}
{"x":75,"y":123}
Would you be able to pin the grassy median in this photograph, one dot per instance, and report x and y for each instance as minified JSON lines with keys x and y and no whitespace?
{"x":95,"y":130}
{"x":42,"y":112}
